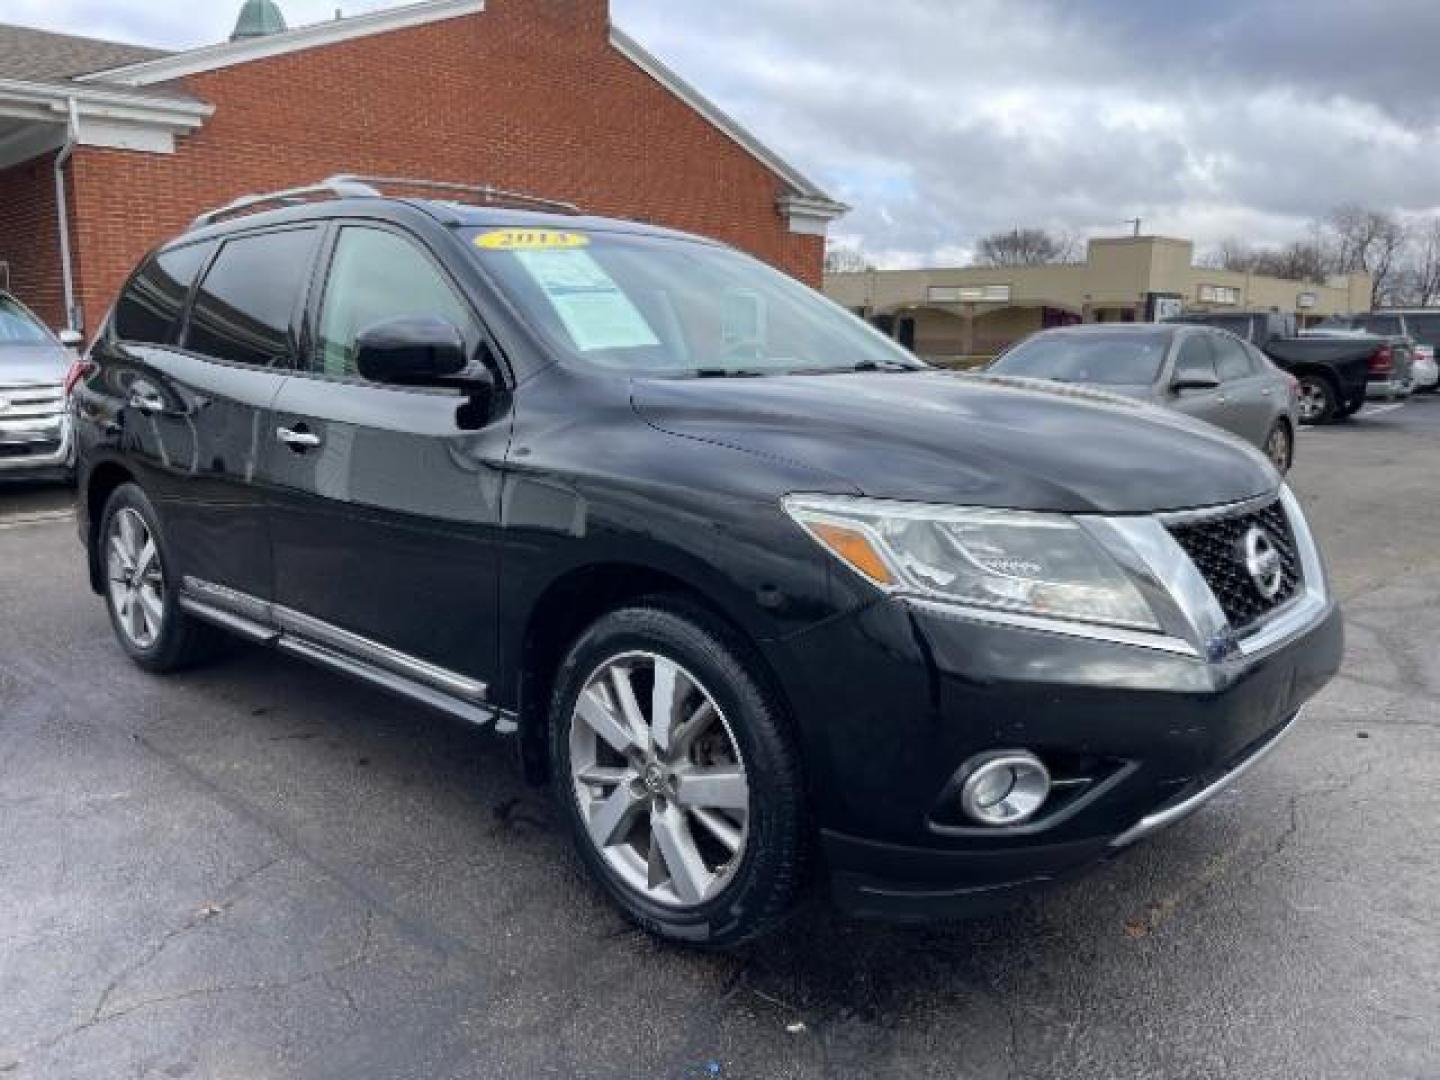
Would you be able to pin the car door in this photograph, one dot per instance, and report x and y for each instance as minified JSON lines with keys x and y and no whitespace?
{"x":1249,"y":406}
{"x":1195,"y":360}
{"x":385,"y":510}
{"x":194,"y":411}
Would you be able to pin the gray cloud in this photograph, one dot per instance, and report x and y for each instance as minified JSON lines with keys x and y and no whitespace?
{"x":940,"y":120}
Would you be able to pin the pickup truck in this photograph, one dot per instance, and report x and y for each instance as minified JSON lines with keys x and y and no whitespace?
{"x":1336,"y":374}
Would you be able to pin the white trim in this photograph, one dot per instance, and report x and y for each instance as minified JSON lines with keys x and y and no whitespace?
{"x":810,"y":217}
{"x":805,"y":205}
{"x":113,"y":118}
{"x":230,"y":53}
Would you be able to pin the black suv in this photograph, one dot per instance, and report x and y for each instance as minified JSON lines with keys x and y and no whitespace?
{"x":756,"y":591}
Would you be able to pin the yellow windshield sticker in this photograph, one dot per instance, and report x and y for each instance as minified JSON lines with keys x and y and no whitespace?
{"x":530,"y":240}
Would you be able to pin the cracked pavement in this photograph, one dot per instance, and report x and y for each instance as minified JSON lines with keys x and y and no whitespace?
{"x":259,"y":871}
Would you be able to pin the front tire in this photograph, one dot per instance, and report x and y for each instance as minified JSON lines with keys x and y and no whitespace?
{"x":141,"y":592}
{"x":1280,"y":447}
{"x":678,"y":777}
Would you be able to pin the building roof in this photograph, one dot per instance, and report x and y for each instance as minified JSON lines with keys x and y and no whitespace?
{"x":42,"y":56}
{"x":258,"y":18}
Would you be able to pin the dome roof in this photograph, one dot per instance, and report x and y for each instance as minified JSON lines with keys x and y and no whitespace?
{"x":258,"y":18}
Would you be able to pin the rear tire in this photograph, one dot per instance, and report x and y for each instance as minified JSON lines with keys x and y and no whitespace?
{"x":1319,"y":403}
{"x":141,"y":591}
{"x":681,"y":857}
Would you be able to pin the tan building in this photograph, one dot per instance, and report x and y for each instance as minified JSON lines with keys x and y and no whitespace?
{"x":951,"y":314}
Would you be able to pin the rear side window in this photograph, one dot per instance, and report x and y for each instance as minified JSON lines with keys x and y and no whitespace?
{"x":1196,"y":360}
{"x":1383,"y":324}
{"x":150,"y":307}
{"x":1231,"y":360}
{"x":244,"y":307}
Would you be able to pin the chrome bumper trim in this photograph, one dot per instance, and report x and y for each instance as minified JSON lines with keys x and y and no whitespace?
{"x":1153,"y":823}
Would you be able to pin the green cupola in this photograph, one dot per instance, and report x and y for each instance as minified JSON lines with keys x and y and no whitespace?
{"x":258,"y":18}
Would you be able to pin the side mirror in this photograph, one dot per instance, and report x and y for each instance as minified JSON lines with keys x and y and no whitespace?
{"x":420,"y":351}
{"x":71,"y":339}
{"x":425,"y":351}
{"x":1194,"y":382}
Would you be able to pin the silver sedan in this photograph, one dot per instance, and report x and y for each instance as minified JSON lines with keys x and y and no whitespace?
{"x":1205,"y":373}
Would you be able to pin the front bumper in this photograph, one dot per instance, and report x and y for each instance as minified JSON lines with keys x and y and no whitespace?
{"x":39,"y":452}
{"x":895,"y":699}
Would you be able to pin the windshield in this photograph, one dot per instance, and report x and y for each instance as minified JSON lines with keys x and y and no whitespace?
{"x":18,"y":326}
{"x":660,"y":306}
{"x":1131,"y":359}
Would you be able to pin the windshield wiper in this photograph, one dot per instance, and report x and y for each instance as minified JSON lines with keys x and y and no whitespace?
{"x":882,"y":365}
{"x":727,"y":373}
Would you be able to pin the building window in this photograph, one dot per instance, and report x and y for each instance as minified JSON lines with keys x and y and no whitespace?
{"x":1219,"y":294}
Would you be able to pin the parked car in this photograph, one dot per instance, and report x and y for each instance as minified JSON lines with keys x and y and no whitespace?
{"x":1423,"y":372}
{"x":1421,"y":325}
{"x":1208,"y":374}
{"x":745,"y":580}
{"x":34,"y":427}
{"x":1336,"y":377}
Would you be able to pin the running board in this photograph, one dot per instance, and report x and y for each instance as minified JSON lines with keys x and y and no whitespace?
{"x":296,"y":636}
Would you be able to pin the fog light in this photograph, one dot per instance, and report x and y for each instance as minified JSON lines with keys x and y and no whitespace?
{"x":1005,"y":789}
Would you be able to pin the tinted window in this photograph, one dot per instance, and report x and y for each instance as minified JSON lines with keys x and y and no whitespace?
{"x":1383,"y":324}
{"x":243,"y":307}
{"x":1424,"y":328}
{"x":1195,"y":359}
{"x":1231,"y":360}
{"x":18,"y":327}
{"x":1108,"y":359}
{"x":377,"y":275}
{"x":149,"y":308}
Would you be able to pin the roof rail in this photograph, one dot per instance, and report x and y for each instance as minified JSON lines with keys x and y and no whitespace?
{"x":488,"y":196}
{"x":337,"y":187}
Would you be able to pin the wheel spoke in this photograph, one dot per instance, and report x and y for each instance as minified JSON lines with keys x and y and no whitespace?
{"x":118,"y":555}
{"x":146,"y":557}
{"x":685,"y":735}
{"x":129,"y":536}
{"x":151,"y":608}
{"x":595,"y":711}
{"x":719,"y":789}
{"x":689,"y":876}
{"x":665,"y":698}
{"x":136,"y":620}
{"x":612,"y":819}
{"x":720,"y":828}
{"x":624,"y":692}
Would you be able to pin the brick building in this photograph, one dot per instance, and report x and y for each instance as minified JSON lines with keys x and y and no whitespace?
{"x":106,"y":149}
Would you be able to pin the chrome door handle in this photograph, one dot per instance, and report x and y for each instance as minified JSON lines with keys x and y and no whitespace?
{"x":1265,"y":392}
{"x":146,"y":401}
{"x":297,"y":440}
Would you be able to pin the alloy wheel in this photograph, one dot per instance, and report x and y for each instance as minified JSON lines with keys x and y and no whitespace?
{"x":659,"y":780}
{"x":1312,"y":401}
{"x":137,"y":580}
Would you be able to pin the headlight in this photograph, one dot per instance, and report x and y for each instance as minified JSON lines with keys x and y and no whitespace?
{"x":1035,"y":564}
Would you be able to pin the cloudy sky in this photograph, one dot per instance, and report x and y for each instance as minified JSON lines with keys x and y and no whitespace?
{"x":941,"y":120}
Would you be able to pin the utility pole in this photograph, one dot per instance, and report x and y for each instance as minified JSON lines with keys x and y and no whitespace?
{"x":1136,"y":222}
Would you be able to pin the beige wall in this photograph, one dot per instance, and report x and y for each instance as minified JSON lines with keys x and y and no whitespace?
{"x":1117,"y":274}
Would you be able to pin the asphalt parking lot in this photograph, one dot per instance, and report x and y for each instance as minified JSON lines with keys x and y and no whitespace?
{"x":260,"y":871}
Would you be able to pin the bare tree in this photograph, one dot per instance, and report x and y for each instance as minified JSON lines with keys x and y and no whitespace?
{"x":1025,"y":247}
{"x":1232,"y":253}
{"x":846,"y":260}
{"x":1422,"y":275}
{"x":1371,"y":242}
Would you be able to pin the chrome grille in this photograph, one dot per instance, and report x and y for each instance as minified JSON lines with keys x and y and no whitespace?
{"x":1214,"y":545}
{"x":30,"y":411}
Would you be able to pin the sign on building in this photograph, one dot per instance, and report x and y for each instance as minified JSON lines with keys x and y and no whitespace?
{"x":969,"y":294}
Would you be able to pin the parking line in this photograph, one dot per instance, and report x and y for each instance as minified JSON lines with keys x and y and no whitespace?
{"x":1381,"y":410}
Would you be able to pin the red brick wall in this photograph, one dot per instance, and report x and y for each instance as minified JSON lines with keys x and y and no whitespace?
{"x":29,"y":237}
{"x":528,"y":95}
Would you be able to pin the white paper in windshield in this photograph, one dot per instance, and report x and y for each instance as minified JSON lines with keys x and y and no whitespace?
{"x":596,"y":313}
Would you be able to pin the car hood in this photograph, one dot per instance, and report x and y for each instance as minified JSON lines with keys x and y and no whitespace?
{"x":33,"y":365}
{"x":965,"y":439}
